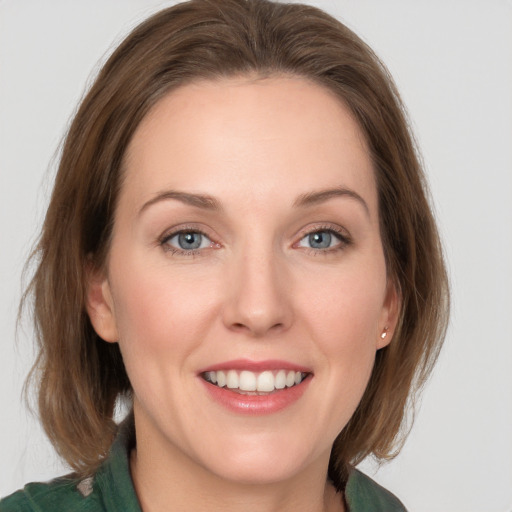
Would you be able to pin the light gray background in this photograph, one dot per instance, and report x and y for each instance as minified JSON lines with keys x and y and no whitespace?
{"x":452,"y":60}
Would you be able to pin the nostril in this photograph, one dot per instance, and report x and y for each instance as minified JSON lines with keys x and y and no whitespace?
{"x":256,"y":330}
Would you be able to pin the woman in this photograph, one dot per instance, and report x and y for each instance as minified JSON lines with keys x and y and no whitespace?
{"x":239,"y":243}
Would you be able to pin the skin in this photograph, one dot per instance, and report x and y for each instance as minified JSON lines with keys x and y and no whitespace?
{"x":256,"y":289}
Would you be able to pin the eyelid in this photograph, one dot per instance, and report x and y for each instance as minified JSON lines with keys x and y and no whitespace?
{"x":181,"y":229}
{"x":340,"y":233}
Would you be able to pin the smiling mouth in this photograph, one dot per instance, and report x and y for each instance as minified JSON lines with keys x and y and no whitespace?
{"x":254,"y":383}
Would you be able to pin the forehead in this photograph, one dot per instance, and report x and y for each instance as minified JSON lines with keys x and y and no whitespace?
{"x":260,"y":137}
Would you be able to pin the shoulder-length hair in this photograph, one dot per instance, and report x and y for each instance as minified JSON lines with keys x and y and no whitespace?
{"x":80,"y":376}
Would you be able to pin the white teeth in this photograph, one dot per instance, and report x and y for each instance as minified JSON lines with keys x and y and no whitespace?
{"x":266,"y":382}
{"x":247,"y":381}
{"x":232,"y":380}
{"x":221,"y":379}
{"x":280,"y":379}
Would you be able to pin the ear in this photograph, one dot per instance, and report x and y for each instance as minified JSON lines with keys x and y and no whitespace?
{"x":389,"y":315}
{"x":100,"y":306}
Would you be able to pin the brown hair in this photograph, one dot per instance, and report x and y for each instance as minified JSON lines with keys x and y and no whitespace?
{"x":80,"y":376}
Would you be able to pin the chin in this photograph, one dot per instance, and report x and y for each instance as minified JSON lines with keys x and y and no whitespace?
{"x":260,"y":472}
{"x":261,"y":462}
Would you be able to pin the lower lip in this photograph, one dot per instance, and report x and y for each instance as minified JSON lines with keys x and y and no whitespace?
{"x":256,"y":404}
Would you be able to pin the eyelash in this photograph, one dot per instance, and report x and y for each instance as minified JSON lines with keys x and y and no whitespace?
{"x":342,"y":237}
{"x":163,"y":242}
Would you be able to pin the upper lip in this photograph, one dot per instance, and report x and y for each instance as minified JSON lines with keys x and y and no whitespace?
{"x":255,"y":366}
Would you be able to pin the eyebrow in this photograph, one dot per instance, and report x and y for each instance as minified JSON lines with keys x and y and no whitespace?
{"x":198,"y":200}
{"x":320,"y":196}
{"x":207,"y":202}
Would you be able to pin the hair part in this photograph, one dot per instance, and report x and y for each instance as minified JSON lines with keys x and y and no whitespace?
{"x":79,"y":376}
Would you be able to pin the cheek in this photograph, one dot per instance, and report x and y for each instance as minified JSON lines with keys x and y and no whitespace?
{"x":348,"y":306}
{"x":343,"y":319}
{"x":162,"y":320}
{"x":158,"y":311}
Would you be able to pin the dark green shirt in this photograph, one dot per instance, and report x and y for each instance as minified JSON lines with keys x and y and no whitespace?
{"x":111,"y":489}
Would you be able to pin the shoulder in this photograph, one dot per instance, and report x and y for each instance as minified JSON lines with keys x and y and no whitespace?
{"x":63,"y":494}
{"x":111,"y":488}
{"x":365,"y":495}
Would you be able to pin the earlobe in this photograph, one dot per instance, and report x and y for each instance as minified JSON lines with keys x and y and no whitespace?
{"x":390,"y":313}
{"x":100,"y":306}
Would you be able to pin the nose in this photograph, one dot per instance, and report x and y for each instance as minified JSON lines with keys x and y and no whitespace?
{"x":258,"y":300}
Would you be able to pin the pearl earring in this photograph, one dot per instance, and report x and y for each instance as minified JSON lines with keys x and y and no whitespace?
{"x":385,"y":333}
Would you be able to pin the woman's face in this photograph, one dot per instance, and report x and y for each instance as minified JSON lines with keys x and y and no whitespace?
{"x":246,"y":250}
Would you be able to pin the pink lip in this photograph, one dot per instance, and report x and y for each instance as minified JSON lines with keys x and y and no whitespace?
{"x":256,"y":404}
{"x":256,"y":366}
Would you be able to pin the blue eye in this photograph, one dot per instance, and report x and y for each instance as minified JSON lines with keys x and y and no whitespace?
{"x":322,"y":239}
{"x":188,"y":241}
